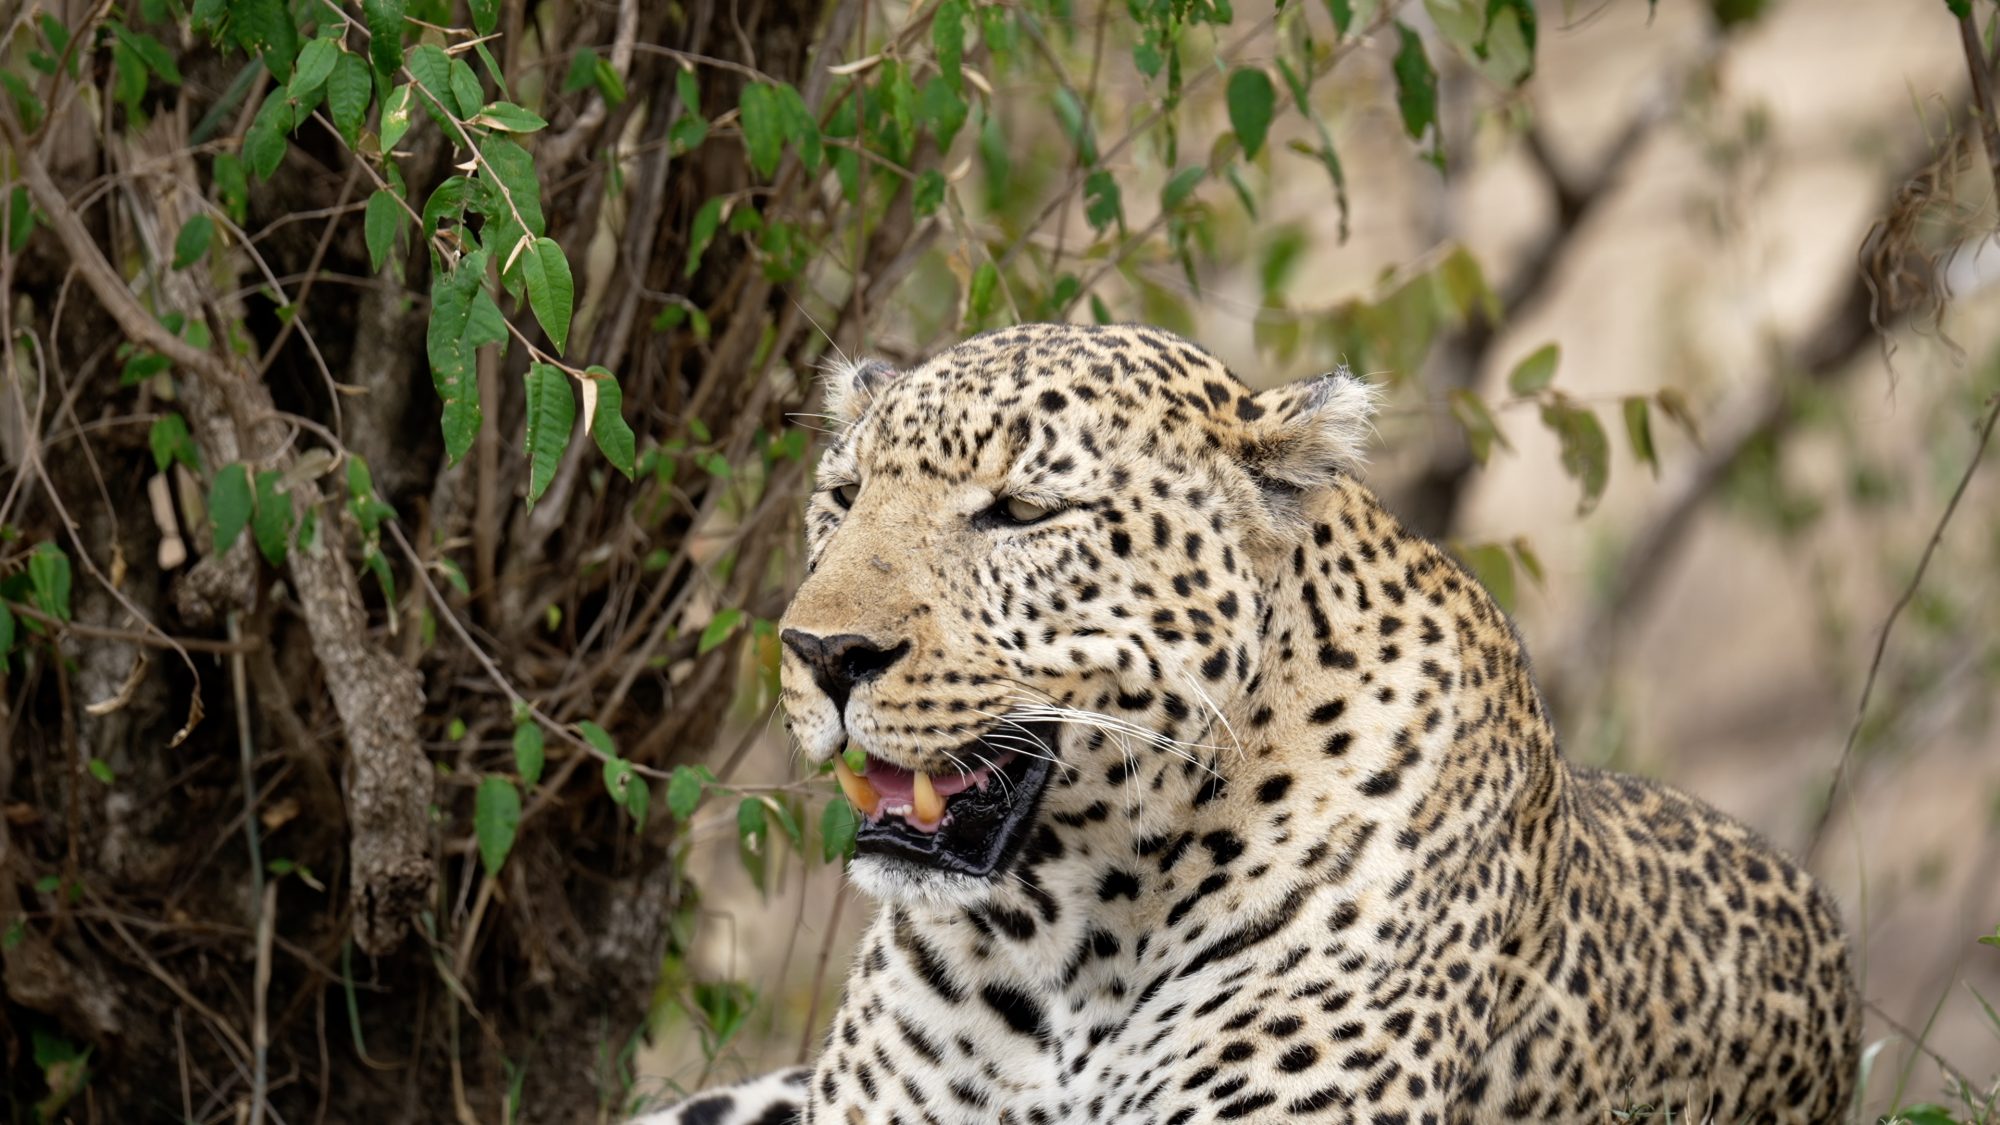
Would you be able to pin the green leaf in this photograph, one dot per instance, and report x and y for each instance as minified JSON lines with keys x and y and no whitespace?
{"x":485,"y":15}
{"x":1251,"y":98}
{"x":451,"y":341}
{"x":1534,"y":373}
{"x":686,"y":134}
{"x":496,"y":817}
{"x":348,"y":89}
{"x":528,"y":753}
{"x":465,"y":88}
{"x":1075,"y":125}
{"x":607,"y":426}
{"x":6,"y":633}
{"x":718,"y":629}
{"x":1925,"y":1114}
{"x":55,"y":31}
{"x":1495,"y":570}
{"x":1102,"y":203}
{"x":1181,"y":186}
{"x":1416,"y":89}
{"x":511,"y":165}
{"x":942,"y":110}
{"x":101,"y":770}
{"x":787,"y":823}
{"x":385,"y":40}
{"x":315,"y":65}
{"x":759,"y":117}
{"x":431,"y":67}
{"x":1586,"y":452}
{"x":684,"y":792}
{"x":551,"y":417}
{"x":837,"y":826}
{"x":928,"y":194}
{"x":510,"y":118}
{"x":1530,"y":561}
{"x":1506,"y":48}
{"x":454,"y":576}
{"x":384,"y":218}
{"x":551,"y":292}
{"x":232,"y":186}
{"x":750,"y":826}
{"x":150,"y":52}
{"x":1482,"y":430}
{"x":638,"y":799}
{"x":687,"y":87}
{"x":49,"y":580}
{"x":980,"y":298}
{"x":26,"y":101}
{"x":229,"y":504}
{"x":702,"y":232}
{"x":492,"y":66}
{"x":447,"y":199}
{"x":129,"y":80}
{"x":948,"y":39}
{"x":396,"y":115}
{"x":582,"y":70}
{"x":1342,"y":12}
{"x":369,"y":510}
{"x":170,"y":442}
{"x":1639,"y":431}
{"x":376,"y":562}
{"x":264,"y":141}
{"x":191,"y":245}
{"x":1675,"y":406}
{"x":617,"y":777}
{"x":901,"y":95}
{"x":598,"y":737}
{"x":1147,"y":58}
{"x":801,"y":127}
{"x":20,"y":219}
{"x":265,"y":28}
{"x":271,"y":525}
{"x":609,"y":83}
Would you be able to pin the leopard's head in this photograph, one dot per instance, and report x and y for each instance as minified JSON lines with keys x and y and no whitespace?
{"x":1037,"y":572}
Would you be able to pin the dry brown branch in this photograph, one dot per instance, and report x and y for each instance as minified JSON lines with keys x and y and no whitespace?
{"x":378,"y":699}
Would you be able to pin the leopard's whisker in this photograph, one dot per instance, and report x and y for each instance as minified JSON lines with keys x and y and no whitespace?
{"x":1209,"y":702}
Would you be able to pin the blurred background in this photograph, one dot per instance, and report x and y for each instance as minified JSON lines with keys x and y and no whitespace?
{"x":408,"y":406}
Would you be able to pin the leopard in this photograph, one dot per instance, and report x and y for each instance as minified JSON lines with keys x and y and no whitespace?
{"x":1192,"y":786}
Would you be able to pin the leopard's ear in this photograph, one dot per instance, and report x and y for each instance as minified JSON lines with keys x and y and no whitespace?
{"x":1304,"y":435}
{"x":851,"y":384}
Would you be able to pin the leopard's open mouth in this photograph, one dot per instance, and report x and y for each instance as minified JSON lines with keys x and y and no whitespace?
{"x":969,"y":823}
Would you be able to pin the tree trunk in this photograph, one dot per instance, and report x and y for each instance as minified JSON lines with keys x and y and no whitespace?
{"x":384,"y":978}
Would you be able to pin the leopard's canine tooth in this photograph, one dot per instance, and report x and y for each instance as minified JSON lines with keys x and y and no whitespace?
{"x":930,"y":806}
{"x":861,"y":794}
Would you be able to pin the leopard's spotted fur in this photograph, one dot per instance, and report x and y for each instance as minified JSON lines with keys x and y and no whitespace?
{"x":1323,"y":861}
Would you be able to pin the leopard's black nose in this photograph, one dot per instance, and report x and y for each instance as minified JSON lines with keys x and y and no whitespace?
{"x":839,"y":662}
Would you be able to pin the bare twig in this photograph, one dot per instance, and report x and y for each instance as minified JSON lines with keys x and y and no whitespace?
{"x":1889,"y":623}
{"x":819,"y":972}
{"x":1976,"y":66}
{"x":493,"y":671}
{"x":260,"y":1030}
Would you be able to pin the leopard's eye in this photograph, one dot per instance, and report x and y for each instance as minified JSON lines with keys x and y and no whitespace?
{"x":845,"y":494}
{"x":1013,"y":509}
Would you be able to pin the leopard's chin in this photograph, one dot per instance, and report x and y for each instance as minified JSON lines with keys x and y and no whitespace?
{"x":981,"y":830}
